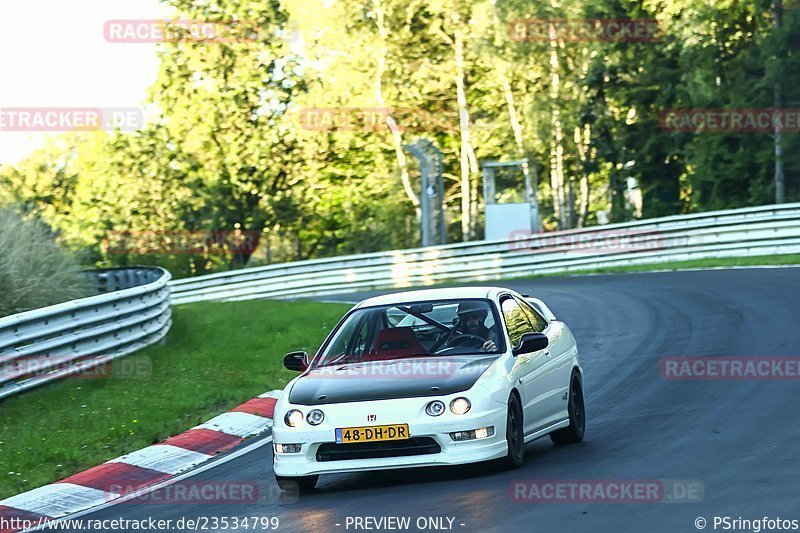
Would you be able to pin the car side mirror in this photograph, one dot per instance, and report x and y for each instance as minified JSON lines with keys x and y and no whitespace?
{"x":531,"y":342}
{"x":297,"y":361}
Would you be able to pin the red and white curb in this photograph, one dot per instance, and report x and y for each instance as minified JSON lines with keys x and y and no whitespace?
{"x":132,"y":472}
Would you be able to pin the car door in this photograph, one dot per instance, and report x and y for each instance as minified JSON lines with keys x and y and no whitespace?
{"x":526,"y":366}
{"x":554,"y":372}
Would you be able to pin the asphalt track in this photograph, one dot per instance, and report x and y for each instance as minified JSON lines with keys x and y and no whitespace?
{"x":739,"y":439}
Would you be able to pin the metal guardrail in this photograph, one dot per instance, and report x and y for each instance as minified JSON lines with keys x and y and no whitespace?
{"x":130,"y":312}
{"x":764,"y":230}
{"x":132,"y":309}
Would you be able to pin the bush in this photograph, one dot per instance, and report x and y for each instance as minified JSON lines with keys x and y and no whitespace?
{"x":34,"y":271}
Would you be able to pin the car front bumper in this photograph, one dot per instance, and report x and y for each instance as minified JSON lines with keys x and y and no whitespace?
{"x":410,"y":411}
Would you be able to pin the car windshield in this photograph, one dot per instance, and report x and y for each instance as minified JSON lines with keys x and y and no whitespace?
{"x":418,"y":329}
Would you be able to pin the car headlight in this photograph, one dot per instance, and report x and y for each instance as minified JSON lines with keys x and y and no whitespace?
{"x":435,"y":408}
{"x":460,"y":406}
{"x":293,"y":418}
{"x":315,"y":417}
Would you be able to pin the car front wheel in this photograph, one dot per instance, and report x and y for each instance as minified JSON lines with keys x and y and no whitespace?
{"x":514,"y":436}
{"x":577,"y":416}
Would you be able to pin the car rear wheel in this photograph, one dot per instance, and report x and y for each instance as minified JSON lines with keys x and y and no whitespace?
{"x":514,"y":436}
{"x":299,"y":484}
{"x":577,"y":416}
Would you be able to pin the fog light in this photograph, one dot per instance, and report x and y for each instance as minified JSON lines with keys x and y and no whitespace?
{"x":462,"y":435}
{"x":473,"y":434}
{"x":287,"y":448}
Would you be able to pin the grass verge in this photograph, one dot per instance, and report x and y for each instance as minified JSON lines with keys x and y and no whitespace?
{"x":217,"y":355}
{"x":759,"y":260}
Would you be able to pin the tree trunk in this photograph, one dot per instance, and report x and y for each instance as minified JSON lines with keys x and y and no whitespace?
{"x":616,"y":193}
{"x":557,"y":143}
{"x":241,"y":243}
{"x":583,"y":142}
{"x":469,"y":163}
{"x":508,"y":93}
{"x":556,"y":176}
{"x":513,"y":117}
{"x":780,"y":190}
{"x":570,"y":197}
{"x":516,"y":127}
{"x":397,"y":135}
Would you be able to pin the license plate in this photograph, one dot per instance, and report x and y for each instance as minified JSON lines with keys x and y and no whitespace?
{"x":372,"y":433}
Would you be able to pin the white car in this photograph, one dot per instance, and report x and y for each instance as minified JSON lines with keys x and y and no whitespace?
{"x":429,"y":378}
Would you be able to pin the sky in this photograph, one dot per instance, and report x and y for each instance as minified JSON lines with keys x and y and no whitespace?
{"x":53,"y":53}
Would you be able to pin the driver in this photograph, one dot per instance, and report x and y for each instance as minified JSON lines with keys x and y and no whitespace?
{"x":471,"y":318}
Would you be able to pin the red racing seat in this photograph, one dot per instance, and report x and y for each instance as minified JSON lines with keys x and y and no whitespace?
{"x":393,"y":343}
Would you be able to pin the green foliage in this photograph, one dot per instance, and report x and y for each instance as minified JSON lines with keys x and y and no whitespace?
{"x":217,"y":356}
{"x":226,"y":148}
{"x":34,"y":270}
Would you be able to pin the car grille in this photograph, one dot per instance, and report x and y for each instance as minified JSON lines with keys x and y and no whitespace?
{"x":331,"y":451}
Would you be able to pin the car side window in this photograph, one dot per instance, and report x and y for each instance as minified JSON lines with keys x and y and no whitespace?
{"x":537,"y":320}
{"x":517,"y":323}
